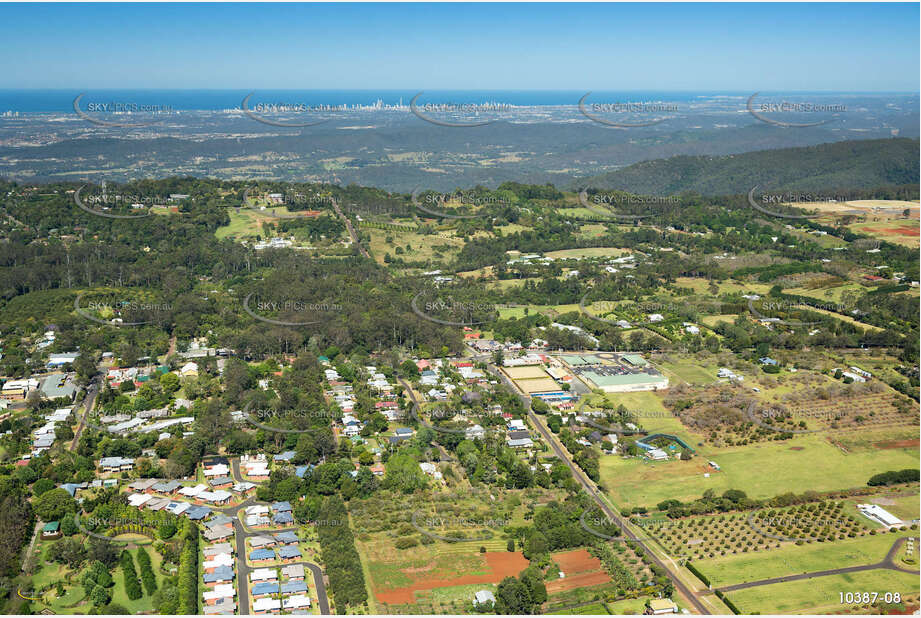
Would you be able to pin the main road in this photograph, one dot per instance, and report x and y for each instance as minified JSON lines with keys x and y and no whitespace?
{"x":589,"y":486}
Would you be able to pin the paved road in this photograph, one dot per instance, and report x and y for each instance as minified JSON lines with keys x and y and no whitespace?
{"x":351,"y":229}
{"x":589,"y":486}
{"x":887,"y":563}
{"x":240,"y":536}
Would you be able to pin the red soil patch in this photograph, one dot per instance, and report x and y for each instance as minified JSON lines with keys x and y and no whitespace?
{"x":902,"y":231}
{"x":578,"y":581}
{"x":577,"y":561}
{"x":898,"y":444}
{"x":796,"y":448}
{"x":501,"y":565}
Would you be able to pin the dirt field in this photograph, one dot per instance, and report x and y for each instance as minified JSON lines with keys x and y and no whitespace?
{"x":580,"y":568}
{"x":578,"y":581}
{"x":898,"y":444}
{"x":501,"y":565}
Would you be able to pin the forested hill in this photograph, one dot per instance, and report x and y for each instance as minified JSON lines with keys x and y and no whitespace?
{"x":860,"y":164}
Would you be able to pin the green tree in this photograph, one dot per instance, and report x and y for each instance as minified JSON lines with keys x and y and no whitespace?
{"x":54,"y":504}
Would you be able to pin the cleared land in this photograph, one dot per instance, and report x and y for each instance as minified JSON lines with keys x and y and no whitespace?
{"x":822,"y":593}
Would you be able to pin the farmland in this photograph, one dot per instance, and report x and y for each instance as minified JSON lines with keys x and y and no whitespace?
{"x":807,"y":462}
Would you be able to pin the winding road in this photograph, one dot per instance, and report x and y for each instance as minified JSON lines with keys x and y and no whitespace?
{"x":887,"y":563}
{"x":240,"y":536}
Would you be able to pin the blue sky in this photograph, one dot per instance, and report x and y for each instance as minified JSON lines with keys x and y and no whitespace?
{"x":696,"y":47}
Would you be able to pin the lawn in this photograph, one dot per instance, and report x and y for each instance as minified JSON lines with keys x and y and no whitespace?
{"x":118,"y":591}
{"x":905,"y":507}
{"x":761,"y":470}
{"x":820,"y":595}
{"x":795,"y":559}
{"x":73,"y":592}
{"x":691,"y":371}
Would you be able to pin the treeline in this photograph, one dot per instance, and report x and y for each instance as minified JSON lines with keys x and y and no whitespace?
{"x":132,"y":585}
{"x":894,"y":477}
{"x":838,"y":167}
{"x":187,"y":578}
{"x":337,"y":547}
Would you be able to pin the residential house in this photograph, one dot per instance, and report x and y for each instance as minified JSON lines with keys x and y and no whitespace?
{"x":265,"y":605}
{"x":220,"y":575}
{"x":294,"y":587}
{"x":216,"y":562}
{"x":51,"y":530}
{"x":288,"y":537}
{"x":262,"y":555}
{"x":282,"y":518}
{"x":221,"y":591}
{"x":209,"y":551}
{"x":116,"y":464}
{"x":293,"y":572}
{"x":263,"y":575}
{"x":289,"y":553}
{"x":300,"y":601}
{"x":261,"y":541}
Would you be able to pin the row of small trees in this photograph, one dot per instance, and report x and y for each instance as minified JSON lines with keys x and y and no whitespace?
{"x":188,"y":570}
{"x":132,"y":585}
{"x":147,"y":574}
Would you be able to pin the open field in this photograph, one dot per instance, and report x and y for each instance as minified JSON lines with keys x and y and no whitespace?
{"x":903,"y":233}
{"x":701,"y":285}
{"x":449,"y":570}
{"x":412,"y":246}
{"x":689,"y":371}
{"x":821,"y":595}
{"x":790,"y":559}
{"x":761,"y":470}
